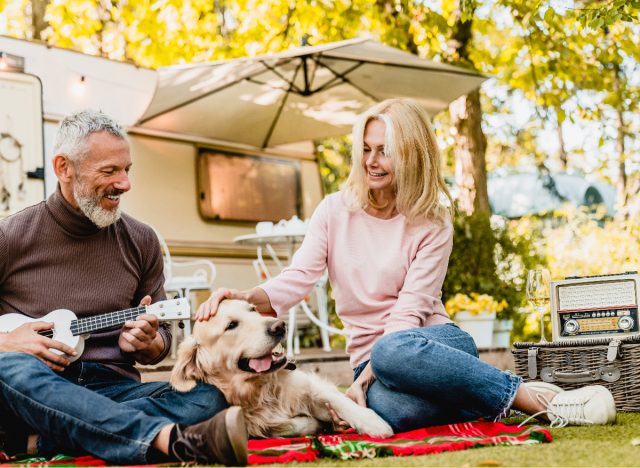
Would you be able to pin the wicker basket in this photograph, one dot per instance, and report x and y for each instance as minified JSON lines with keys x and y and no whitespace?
{"x":614,"y":363}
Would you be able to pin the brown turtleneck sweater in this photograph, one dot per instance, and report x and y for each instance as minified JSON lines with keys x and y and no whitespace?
{"x":54,"y":257}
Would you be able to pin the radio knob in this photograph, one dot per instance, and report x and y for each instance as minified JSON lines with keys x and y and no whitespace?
{"x":625,"y":323}
{"x":572,"y":326}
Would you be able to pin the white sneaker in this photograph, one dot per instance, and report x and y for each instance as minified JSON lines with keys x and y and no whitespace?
{"x":543,"y":387}
{"x":593,"y":404}
{"x":541,"y":391}
{"x":549,"y":388}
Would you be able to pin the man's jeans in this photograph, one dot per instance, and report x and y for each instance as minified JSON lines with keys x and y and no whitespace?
{"x":430,"y":376}
{"x":91,"y":408}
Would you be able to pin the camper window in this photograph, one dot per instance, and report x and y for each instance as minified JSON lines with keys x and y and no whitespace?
{"x":238,"y":187}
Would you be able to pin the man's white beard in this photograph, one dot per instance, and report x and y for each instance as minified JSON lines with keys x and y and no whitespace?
{"x":89,"y":204}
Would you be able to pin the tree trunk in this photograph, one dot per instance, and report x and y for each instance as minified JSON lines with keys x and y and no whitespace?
{"x":38,"y":23}
{"x":564,"y":160}
{"x":631,"y":210}
{"x":622,"y":194}
{"x":621,"y":183}
{"x":470,"y":142}
{"x":470,"y":147}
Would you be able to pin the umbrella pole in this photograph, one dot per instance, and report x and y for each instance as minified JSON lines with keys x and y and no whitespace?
{"x":280,"y":107}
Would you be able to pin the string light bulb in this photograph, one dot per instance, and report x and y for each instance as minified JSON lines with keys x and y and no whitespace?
{"x":79,"y":88}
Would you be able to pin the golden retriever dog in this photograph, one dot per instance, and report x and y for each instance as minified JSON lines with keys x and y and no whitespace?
{"x":238,"y":350}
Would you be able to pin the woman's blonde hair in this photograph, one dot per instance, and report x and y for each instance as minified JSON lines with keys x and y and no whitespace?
{"x":411,"y":144}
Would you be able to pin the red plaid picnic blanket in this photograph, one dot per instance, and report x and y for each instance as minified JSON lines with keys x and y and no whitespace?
{"x":419,"y":442}
{"x":350,"y":445}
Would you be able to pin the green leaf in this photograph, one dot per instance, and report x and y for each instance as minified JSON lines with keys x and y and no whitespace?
{"x":561,"y":115}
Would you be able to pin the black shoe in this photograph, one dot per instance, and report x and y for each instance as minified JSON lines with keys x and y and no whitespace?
{"x":221,"y":439}
{"x":16,"y":440}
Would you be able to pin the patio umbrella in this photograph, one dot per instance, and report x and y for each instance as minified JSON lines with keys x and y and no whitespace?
{"x":304,"y":93}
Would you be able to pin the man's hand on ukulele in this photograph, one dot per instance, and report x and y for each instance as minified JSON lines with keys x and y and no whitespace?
{"x":25,"y":339}
{"x":139,"y":334}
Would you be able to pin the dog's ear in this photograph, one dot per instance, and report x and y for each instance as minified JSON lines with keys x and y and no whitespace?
{"x":186,"y":371}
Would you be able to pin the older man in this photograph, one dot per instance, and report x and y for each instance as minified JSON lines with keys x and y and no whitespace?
{"x":78,"y":251}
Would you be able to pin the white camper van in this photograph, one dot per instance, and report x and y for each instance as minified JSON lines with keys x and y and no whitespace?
{"x":199,"y":194}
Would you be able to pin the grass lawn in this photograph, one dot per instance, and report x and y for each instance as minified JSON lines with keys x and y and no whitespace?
{"x":571,"y":446}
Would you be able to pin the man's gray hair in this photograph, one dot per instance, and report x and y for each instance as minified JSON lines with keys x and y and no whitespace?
{"x":75,"y":129}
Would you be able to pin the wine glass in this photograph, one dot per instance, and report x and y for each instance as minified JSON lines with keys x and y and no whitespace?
{"x":538,"y":281}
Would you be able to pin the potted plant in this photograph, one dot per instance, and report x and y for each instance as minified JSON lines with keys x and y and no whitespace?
{"x":502,"y":333}
{"x":490,"y":257}
{"x":476,"y":314}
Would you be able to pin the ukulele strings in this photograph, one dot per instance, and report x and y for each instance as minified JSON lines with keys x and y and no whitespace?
{"x":99,"y":322}
{"x":88,"y":324}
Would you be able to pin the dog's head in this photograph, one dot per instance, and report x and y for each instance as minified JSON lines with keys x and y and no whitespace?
{"x":236,"y":344}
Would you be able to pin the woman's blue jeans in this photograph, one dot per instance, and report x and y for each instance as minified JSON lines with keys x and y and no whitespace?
{"x":89,"y":408}
{"x":431,"y":376}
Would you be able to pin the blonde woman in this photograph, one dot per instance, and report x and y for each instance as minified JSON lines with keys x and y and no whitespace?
{"x":385,"y":240}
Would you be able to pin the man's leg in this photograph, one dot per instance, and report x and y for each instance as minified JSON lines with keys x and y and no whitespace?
{"x":219,"y":432}
{"x":438,"y":366}
{"x":153,"y":398}
{"x":74,"y":418}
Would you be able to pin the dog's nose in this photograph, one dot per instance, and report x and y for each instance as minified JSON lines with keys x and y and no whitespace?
{"x":277,"y":329}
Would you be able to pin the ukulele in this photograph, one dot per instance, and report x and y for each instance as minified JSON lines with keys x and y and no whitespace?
{"x":72,"y":331}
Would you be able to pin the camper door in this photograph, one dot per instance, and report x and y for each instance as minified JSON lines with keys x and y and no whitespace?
{"x":21,"y":142}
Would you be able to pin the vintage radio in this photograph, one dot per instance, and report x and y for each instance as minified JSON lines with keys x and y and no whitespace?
{"x":595,"y":307}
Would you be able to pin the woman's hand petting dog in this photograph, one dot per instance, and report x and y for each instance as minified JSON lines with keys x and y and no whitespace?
{"x":256,"y":296}
{"x":209,"y":308}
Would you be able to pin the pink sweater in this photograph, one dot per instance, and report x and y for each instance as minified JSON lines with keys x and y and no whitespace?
{"x":386,"y":274}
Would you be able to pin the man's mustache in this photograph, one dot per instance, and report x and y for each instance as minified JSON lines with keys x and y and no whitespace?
{"x":113,"y":193}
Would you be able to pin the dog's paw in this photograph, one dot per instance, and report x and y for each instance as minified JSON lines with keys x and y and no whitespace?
{"x":373,"y":425}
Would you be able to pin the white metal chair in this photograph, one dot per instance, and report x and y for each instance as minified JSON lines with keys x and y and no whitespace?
{"x":296,"y":320}
{"x":182,"y":278}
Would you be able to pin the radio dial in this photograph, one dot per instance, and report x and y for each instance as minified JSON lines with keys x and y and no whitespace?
{"x":572,"y":326}
{"x":625,"y":323}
